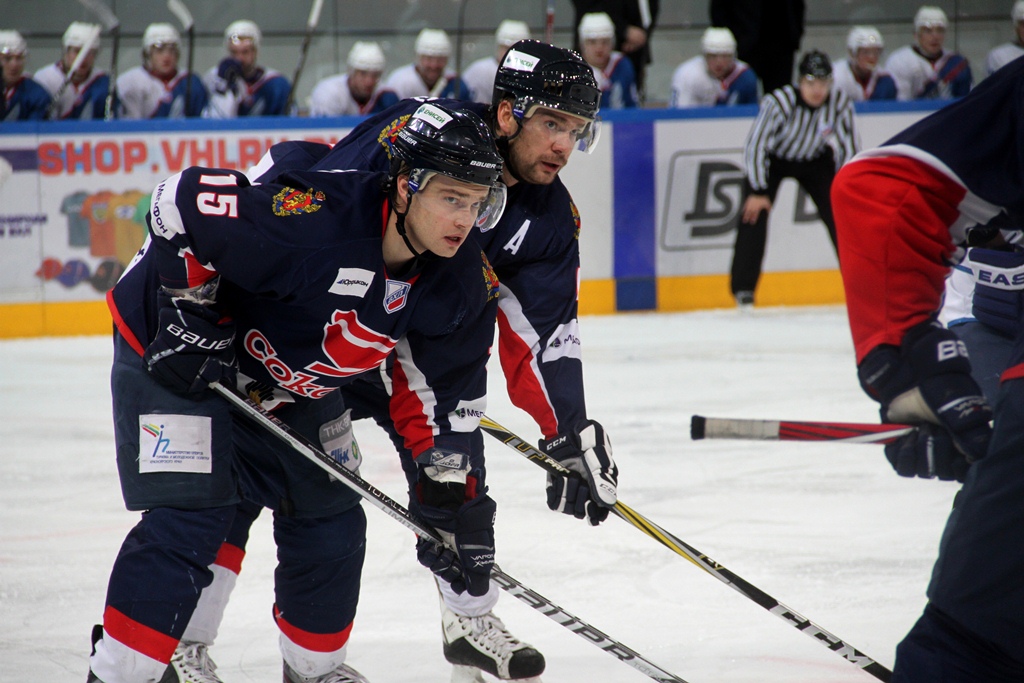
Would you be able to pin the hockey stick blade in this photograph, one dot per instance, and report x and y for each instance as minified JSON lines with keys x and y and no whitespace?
{"x":720,"y":572}
{"x":393,"y":509}
{"x":179,"y":10}
{"x":102,"y":12}
{"x":783,"y":430}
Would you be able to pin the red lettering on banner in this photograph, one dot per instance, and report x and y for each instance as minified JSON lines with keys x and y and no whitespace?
{"x":249,"y":152}
{"x":108,"y":157}
{"x":202,"y":157}
{"x":175,"y":159}
{"x":134,"y":154}
{"x":222,"y":157}
{"x":50,"y":160}
{"x":74,"y":157}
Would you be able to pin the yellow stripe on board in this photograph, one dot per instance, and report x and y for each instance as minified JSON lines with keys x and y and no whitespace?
{"x":797,"y":288}
{"x":66,"y":318}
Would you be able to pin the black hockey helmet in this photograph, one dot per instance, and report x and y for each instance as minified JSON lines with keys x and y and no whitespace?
{"x":457,"y":144}
{"x":537,"y":74}
{"x":815,"y":64}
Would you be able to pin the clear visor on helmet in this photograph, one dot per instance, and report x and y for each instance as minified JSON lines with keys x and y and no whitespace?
{"x":584,"y":137}
{"x":488,"y":211}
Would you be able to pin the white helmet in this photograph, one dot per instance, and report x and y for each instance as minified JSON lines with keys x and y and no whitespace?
{"x":864,"y":36}
{"x":511,"y":32}
{"x":433,"y":42}
{"x":242,"y":29}
{"x":366,"y":56}
{"x":1018,"y":11}
{"x":79,"y":33}
{"x":718,"y":41}
{"x":595,"y":26}
{"x":160,"y":34}
{"x":929,"y":16}
{"x":11,"y":43}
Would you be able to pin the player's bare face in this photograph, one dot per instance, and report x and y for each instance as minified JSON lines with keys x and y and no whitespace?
{"x":719,"y":65}
{"x":163,"y":60}
{"x":867,"y":58}
{"x":362,"y":83}
{"x":597,"y":51}
{"x":13,"y":65}
{"x":243,"y":50}
{"x":544,"y":144}
{"x":930,"y":39}
{"x":431,"y":68}
{"x":442,"y":214}
{"x":84,"y":67}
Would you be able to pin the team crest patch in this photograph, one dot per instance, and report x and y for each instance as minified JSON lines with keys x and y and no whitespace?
{"x":490,"y":279}
{"x":289,"y":202}
{"x":395,"y":293}
{"x":388,"y":136}
{"x":575,"y":217}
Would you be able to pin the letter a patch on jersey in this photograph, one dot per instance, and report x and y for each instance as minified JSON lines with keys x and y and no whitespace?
{"x":394,"y":295}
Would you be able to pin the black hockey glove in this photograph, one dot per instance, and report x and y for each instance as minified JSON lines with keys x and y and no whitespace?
{"x":467,"y":527}
{"x":927,"y":381}
{"x":192,"y":346}
{"x":588,"y":453}
{"x":229,"y":71}
{"x":466,"y":559}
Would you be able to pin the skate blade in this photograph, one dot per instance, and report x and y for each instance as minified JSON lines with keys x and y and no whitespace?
{"x":471,"y":674}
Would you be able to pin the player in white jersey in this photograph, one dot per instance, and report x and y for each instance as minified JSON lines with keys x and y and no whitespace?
{"x":614,"y":73}
{"x":356,"y":92}
{"x":239,"y":86}
{"x":479,"y":76}
{"x":1001,"y":55}
{"x":429,"y":74}
{"x":714,"y":77}
{"x":85,"y":94}
{"x":158,"y":89}
{"x":858,"y":75}
{"x":926,"y":69}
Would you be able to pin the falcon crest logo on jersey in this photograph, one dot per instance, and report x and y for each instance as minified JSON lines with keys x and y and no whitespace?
{"x":490,"y":278}
{"x":575,"y":217}
{"x":395,"y":293}
{"x":388,"y":136}
{"x":289,"y":202}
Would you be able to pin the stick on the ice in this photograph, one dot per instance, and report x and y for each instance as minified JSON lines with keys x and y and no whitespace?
{"x":393,"y":509}
{"x":179,"y":10}
{"x":113,"y":25}
{"x":782,"y":430}
{"x":311,"y":24}
{"x":740,"y":585}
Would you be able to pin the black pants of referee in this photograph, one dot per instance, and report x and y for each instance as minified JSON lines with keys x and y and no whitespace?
{"x":815,"y":176}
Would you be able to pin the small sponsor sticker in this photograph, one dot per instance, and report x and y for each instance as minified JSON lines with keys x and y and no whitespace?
{"x":352,"y":282}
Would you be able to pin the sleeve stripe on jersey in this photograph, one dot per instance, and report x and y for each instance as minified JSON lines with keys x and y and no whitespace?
{"x":412,"y":403}
{"x":522,"y":374}
{"x":165,"y":219}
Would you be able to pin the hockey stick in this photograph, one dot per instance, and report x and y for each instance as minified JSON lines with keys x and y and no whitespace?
{"x":782,"y":430}
{"x":311,"y":23}
{"x":393,"y":509}
{"x":90,"y":41}
{"x":112,"y":24}
{"x":740,"y":585}
{"x":549,"y":23}
{"x":185,"y":17}
{"x":459,"y":30}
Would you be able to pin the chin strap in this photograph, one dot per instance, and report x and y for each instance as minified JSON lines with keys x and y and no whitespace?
{"x":502,"y":143}
{"x":418,"y":259}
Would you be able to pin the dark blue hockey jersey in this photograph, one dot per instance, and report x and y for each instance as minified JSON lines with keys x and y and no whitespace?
{"x":534,"y":250}
{"x":303,"y":276}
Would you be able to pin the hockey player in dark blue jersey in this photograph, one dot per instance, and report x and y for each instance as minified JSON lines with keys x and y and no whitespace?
{"x":22,"y":98}
{"x":289,"y":289}
{"x":904,"y":211}
{"x":545,"y":104}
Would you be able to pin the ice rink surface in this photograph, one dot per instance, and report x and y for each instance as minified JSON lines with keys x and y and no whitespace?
{"x":827,"y":529}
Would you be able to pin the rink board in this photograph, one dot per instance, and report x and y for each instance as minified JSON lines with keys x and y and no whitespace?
{"x":658,"y":199}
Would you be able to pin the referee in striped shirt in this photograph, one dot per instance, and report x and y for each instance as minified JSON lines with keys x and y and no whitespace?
{"x":804,"y":132}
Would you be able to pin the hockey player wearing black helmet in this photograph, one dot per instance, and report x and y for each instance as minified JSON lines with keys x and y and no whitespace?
{"x":286,"y":290}
{"x":544,"y":107}
{"x":805,"y":132}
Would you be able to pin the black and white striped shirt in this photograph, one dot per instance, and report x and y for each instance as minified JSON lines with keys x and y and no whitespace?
{"x":787,"y":128}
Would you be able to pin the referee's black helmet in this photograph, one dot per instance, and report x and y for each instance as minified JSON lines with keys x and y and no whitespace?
{"x":815,"y":64}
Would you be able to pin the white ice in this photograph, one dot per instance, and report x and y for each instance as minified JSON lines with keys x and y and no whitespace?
{"x":827,"y":529}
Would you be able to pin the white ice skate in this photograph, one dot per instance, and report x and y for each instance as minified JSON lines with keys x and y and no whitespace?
{"x":475,"y":644}
{"x":343,"y":674}
{"x":192,"y":663}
